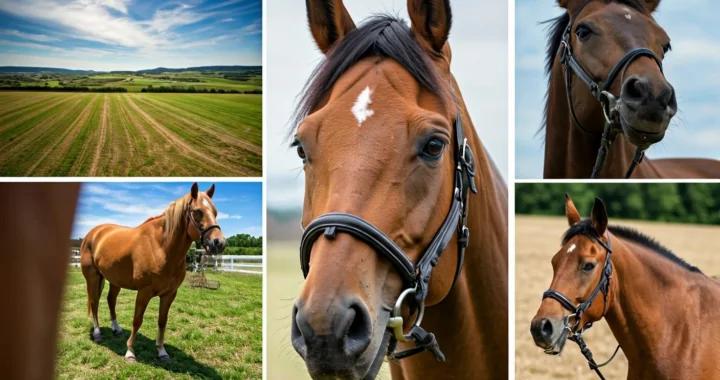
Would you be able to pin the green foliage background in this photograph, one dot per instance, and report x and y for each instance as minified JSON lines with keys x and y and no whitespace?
{"x":697,"y":203}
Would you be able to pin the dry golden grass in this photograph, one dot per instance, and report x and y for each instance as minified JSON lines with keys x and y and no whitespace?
{"x":537,"y":240}
{"x":284,"y":283}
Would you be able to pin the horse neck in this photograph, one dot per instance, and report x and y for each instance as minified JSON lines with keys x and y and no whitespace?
{"x":631,"y":317}
{"x":176,"y":245}
{"x":569,"y":151}
{"x":471,"y":323}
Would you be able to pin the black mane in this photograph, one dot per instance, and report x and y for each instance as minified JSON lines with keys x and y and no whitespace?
{"x":381,"y":36}
{"x":585,"y":227}
{"x":555,"y":29}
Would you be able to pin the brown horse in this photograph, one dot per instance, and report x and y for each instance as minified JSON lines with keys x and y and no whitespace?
{"x":602,"y":36}
{"x":660,"y":309}
{"x":33,"y":273}
{"x":149,"y":258}
{"x":380,"y":132}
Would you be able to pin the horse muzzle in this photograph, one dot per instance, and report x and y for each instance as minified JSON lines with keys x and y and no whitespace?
{"x":550,"y":334}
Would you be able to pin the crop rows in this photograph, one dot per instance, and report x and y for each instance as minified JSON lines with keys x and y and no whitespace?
{"x":84,"y":134}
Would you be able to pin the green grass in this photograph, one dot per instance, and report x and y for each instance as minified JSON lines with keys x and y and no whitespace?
{"x":210,"y":333}
{"x":56,"y":134}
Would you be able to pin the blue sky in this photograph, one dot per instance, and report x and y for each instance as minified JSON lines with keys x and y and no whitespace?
{"x":130,"y":34}
{"x":692,"y":68}
{"x":239,"y":205}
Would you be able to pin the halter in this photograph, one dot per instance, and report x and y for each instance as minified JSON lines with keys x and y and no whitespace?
{"x":200,"y":229}
{"x":416,"y":278}
{"x":603,"y":287}
{"x":602,"y":93}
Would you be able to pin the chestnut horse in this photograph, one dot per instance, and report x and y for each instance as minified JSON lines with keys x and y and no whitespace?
{"x":617,"y":37}
{"x":387,"y":147}
{"x":149,"y":258}
{"x":660,"y":309}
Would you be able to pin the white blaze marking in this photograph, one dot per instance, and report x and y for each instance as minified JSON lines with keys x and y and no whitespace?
{"x":206,"y":203}
{"x":628,"y":16}
{"x":361,"y":108}
{"x":572,"y":248}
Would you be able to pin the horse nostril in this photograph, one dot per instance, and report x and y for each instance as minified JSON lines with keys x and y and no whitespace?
{"x":358,"y":332}
{"x":635,"y":90}
{"x":296,"y":331}
{"x":546,"y":328}
{"x":667,"y":98}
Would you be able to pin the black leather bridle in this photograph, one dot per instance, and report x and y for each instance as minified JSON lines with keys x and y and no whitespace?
{"x":416,"y":278}
{"x":200,"y":229}
{"x":603,"y":287}
{"x":602,"y":93}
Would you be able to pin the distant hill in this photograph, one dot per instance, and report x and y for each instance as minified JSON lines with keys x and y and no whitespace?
{"x":26,"y":69}
{"x":159,"y":70}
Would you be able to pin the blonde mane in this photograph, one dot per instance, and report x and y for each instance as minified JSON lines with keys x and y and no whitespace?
{"x":175,"y":217}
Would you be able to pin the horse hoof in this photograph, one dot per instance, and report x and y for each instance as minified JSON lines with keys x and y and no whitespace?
{"x":130,"y":359}
{"x":118,"y":333}
{"x":163,"y":359}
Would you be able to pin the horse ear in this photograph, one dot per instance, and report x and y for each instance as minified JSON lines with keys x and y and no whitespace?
{"x":210,"y":191}
{"x":599,"y":217}
{"x":194,"y":190}
{"x":329,"y":21}
{"x":651,"y":5}
{"x":431,"y":21}
{"x":571,"y":212}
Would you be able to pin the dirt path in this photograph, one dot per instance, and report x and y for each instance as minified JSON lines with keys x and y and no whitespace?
{"x":60,"y":147}
{"x":101,"y":141}
{"x":184,"y":146}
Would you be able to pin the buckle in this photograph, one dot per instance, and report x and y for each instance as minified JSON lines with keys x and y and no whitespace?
{"x":396,"y":321}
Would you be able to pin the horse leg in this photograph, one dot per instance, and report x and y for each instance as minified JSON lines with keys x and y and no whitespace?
{"x":141,"y":302}
{"x":165,"y":302}
{"x":111,"y":300}
{"x":95,"y":283}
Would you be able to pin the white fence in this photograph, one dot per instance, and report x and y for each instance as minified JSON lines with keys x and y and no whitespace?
{"x":223,"y":263}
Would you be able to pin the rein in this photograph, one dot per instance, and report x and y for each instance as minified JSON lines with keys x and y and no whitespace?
{"x":603,"y":287}
{"x":416,"y":278}
{"x":200,"y":229}
{"x":602,"y":93}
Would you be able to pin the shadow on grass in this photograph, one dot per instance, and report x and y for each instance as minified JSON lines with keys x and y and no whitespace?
{"x":146,"y":353}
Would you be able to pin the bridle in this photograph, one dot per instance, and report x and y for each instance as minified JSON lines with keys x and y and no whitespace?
{"x":416,"y":278}
{"x":200,"y":229}
{"x":602,"y":93}
{"x":603,"y":287}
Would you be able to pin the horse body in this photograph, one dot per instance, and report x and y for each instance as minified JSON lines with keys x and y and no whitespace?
{"x":149,"y":258}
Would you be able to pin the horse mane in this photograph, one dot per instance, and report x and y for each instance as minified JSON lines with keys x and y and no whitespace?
{"x":378,"y":36}
{"x":556,"y":28}
{"x":585,"y":227}
{"x":175,"y":217}
{"x":150,"y":219}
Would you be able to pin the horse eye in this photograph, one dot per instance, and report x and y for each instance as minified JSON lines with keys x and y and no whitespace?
{"x":301,"y":153}
{"x":583,"y":32}
{"x":667,"y":48}
{"x":433,"y":149}
{"x":197,"y":214}
{"x":588,"y":267}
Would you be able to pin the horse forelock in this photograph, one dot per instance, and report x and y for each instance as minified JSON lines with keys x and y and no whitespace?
{"x":175,"y":216}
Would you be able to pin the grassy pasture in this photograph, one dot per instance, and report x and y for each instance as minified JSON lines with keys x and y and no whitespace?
{"x":538,"y":239}
{"x":91,"y":134}
{"x":210,"y":333}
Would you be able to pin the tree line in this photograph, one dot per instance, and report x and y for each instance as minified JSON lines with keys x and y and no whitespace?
{"x":64,"y":89}
{"x":697,"y":203}
{"x":193,"y":90}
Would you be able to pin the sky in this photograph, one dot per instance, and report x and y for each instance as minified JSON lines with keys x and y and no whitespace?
{"x":105,"y":35}
{"x":691,"y":67}
{"x":479,"y":44}
{"x":239,"y":204}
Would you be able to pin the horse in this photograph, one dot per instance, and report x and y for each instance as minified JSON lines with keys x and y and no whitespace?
{"x":33,"y":274}
{"x":659,"y":308}
{"x":596,"y":50}
{"x":149,"y":258}
{"x":398,"y":188}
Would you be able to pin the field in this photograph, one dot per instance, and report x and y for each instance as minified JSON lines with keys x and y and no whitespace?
{"x":121,"y":134}
{"x":251,"y":81}
{"x":538,"y":240}
{"x":210,"y":334}
{"x":284,"y":283}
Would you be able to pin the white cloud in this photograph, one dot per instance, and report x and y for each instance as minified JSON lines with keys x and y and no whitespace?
{"x":222,"y":215}
{"x":29,"y":36}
